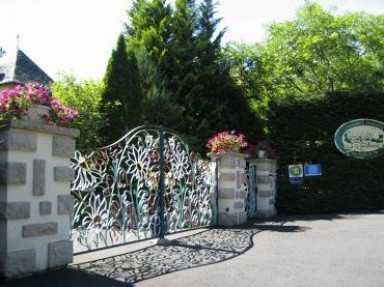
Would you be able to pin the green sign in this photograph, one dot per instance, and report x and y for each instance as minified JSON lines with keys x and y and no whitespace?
{"x":295,"y":172}
{"x":362,"y":138}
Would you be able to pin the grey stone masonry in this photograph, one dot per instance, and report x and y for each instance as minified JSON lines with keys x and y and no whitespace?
{"x":228,"y":163}
{"x":228,"y":219}
{"x":63,"y":146}
{"x":230,"y":196}
{"x":40,"y":127}
{"x":227,"y":176}
{"x":266,"y":186}
{"x":14,"y":210}
{"x":262,"y":179}
{"x":265,"y":193}
{"x":242,"y":217}
{"x":17,"y":263}
{"x":231,"y":219}
{"x":242,"y":164}
{"x":35,"y":200}
{"x":39,"y":229}
{"x":13,"y":173}
{"x":60,"y":253}
{"x":238,"y":205}
{"x":38,"y":185}
{"x":227,"y":193}
{"x":19,"y":141}
{"x":63,"y":173}
{"x":45,"y":208}
{"x":64,"y":204}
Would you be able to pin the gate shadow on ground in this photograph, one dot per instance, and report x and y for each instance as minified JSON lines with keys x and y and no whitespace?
{"x":313,"y":217}
{"x":281,"y":228}
{"x":65,"y":277}
{"x":208,"y":247}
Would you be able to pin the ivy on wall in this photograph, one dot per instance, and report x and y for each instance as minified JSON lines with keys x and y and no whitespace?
{"x":303,"y":132}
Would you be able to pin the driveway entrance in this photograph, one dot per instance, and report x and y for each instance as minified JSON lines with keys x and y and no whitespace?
{"x":324,"y":251}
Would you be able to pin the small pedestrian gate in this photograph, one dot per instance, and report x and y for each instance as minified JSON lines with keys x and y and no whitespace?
{"x":145,"y":185}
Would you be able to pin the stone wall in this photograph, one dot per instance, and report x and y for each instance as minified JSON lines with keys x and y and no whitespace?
{"x":231,"y":188}
{"x":35,"y":200}
{"x":266,"y":186}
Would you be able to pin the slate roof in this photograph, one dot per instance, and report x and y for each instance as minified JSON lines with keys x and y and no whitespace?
{"x":20,"y":69}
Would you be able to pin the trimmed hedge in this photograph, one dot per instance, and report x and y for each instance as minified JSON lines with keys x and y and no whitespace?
{"x":303,"y":132}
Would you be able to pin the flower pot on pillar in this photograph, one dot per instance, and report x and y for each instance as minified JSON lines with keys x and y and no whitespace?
{"x":36,"y":113}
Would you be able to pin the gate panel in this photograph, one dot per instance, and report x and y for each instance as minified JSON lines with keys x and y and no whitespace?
{"x":117,"y":190}
{"x":251,"y":199}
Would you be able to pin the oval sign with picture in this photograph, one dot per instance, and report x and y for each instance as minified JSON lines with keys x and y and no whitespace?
{"x":361,"y":138}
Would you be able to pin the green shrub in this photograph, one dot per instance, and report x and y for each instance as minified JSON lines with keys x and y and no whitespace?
{"x":303,"y":132}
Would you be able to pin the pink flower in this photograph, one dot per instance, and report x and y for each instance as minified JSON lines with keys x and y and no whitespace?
{"x":226,"y":141}
{"x":14,"y":103}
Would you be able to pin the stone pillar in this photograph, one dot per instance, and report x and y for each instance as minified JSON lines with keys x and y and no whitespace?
{"x":266,"y":186}
{"x":35,"y":200}
{"x":231,"y":188}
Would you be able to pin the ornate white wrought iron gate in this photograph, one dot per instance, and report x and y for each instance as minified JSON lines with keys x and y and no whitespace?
{"x":145,"y":185}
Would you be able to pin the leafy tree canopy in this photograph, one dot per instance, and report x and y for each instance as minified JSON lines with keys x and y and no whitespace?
{"x":316,"y":53}
{"x":85,"y":96}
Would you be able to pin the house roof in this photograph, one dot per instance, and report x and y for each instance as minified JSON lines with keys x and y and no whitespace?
{"x":18,"y":68}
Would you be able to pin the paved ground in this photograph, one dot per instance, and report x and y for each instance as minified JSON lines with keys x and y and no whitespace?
{"x":332,"y":251}
{"x":326,"y":251}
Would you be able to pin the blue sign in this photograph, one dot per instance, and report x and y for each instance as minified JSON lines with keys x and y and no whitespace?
{"x":296,"y":180}
{"x":313,"y":170}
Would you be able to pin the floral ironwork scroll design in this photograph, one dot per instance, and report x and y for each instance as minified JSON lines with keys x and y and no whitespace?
{"x":116,"y":190}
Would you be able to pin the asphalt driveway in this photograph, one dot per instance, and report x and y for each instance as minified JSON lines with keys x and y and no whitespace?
{"x":327,"y":251}
{"x":324,"y":251}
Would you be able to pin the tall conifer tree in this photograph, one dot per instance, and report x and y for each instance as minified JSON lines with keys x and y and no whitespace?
{"x":122,"y":98}
{"x":184,"y":46}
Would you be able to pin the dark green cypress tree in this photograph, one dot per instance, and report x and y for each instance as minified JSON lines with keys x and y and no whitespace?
{"x":182,"y":47}
{"x":149,"y":33}
{"x":181,"y":69}
{"x":122,"y":98}
{"x":225,"y":106}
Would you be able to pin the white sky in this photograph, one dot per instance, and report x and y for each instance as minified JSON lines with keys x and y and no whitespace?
{"x":78,"y":35}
